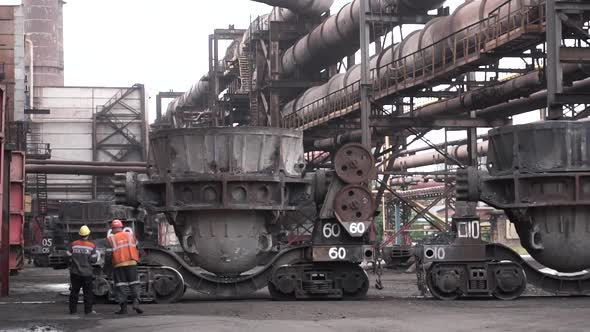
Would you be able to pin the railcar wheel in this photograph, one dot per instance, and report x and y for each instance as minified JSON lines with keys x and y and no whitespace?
{"x":510,"y":283}
{"x":277,"y":295}
{"x":443,"y":284}
{"x":356,"y":286}
{"x":168,"y":285}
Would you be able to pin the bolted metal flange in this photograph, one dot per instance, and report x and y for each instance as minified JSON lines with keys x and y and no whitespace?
{"x":354,"y":204}
{"x":354,"y":163}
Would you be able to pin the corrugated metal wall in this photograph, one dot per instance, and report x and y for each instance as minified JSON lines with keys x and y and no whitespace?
{"x":71,"y":131}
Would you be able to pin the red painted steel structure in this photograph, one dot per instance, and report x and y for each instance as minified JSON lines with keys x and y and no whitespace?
{"x":4,"y":230}
{"x":17,"y":210}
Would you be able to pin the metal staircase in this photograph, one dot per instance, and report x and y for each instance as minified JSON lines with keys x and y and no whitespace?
{"x":119,"y":124}
{"x":37,"y":150}
{"x":247,"y":84}
{"x":41,"y":188}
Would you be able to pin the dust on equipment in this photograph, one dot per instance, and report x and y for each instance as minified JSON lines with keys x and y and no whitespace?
{"x":258,"y":169}
{"x":543,"y":188}
{"x":248,"y":215}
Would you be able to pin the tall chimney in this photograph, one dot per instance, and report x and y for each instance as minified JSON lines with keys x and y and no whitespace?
{"x":44,"y":28}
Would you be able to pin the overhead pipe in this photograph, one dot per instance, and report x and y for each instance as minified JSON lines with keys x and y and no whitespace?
{"x":81,"y":169}
{"x":533,"y":102}
{"x":87,"y":163}
{"x":434,"y":157}
{"x":338,"y":140}
{"x":302,"y":7}
{"x":324,"y":144}
{"x":434,"y":32}
{"x":338,"y":36}
{"x":31,"y":71}
{"x":483,"y":137}
{"x":412,"y":180}
{"x":480,"y":99}
{"x":518,"y":87}
{"x":285,"y":10}
{"x":195,"y":97}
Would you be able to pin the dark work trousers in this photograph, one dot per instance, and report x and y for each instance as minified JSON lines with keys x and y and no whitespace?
{"x":123,"y":277}
{"x":85,"y":283}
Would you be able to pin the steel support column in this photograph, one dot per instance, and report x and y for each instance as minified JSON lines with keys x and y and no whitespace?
{"x":5,"y":219}
{"x":553,"y":68}
{"x":275,"y":58}
{"x":365,"y":39}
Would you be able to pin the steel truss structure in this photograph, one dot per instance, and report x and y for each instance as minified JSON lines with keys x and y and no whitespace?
{"x":471,"y":69}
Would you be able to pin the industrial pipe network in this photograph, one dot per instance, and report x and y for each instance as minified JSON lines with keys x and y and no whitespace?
{"x":338,"y":36}
{"x":433,"y":34}
{"x":521,"y":86}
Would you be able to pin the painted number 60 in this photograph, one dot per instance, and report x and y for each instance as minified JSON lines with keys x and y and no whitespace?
{"x":337,"y":253}
{"x":331,"y":230}
{"x":357,"y":228}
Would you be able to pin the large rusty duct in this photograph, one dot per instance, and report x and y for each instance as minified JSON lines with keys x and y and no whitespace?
{"x":284,"y":10}
{"x":338,"y":36}
{"x":303,"y":7}
{"x":334,"y":39}
{"x":496,"y":95}
{"x":465,"y":16}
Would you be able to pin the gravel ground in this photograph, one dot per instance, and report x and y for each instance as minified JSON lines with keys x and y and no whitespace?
{"x":36,"y":303}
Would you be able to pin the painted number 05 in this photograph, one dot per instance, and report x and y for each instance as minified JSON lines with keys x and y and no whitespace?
{"x":337,"y":253}
{"x":331,"y":230}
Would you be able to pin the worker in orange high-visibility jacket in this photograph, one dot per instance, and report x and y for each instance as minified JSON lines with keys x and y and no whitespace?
{"x":124,"y":257}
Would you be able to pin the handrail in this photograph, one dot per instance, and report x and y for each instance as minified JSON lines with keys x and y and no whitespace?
{"x":413,"y":69}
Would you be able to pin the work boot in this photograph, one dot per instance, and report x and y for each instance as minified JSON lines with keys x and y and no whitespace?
{"x":136,"y":306}
{"x":123,"y":310}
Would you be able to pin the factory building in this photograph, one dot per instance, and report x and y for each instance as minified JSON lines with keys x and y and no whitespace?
{"x":321,"y":140}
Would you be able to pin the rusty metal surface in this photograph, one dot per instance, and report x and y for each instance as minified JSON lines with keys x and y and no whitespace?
{"x":242,"y":150}
{"x":222,"y":189}
{"x":4,"y":220}
{"x":440,"y":49}
{"x":342,"y":253}
{"x":354,"y":163}
{"x":338,"y":36}
{"x":539,"y":147}
{"x":544,"y":189}
{"x":354,"y":204}
{"x":87,"y":163}
{"x":17,"y":210}
{"x":82,"y":169}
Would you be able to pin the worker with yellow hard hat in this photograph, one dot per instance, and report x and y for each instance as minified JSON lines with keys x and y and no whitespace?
{"x":82,"y":254}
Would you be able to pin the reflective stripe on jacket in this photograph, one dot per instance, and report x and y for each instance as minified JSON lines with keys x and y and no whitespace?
{"x":124,"y":248}
{"x":82,"y":254}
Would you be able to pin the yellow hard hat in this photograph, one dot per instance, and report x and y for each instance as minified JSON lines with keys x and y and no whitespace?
{"x":84,"y":231}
